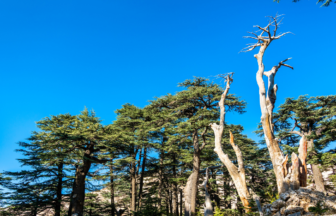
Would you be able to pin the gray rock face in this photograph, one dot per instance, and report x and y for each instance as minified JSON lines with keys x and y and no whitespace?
{"x":284,"y":196}
{"x":293,"y":210}
{"x":293,"y":203}
{"x":295,"y":214}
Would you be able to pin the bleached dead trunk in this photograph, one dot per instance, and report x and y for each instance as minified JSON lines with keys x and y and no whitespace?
{"x":294,"y":177}
{"x":308,"y":146}
{"x":267,"y":99}
{"x":237,"y":175}
{"x":317,"y":174}
{"x":190,"y":191}
{"x":207,"y":206}
{"x":256,"y":198}
{"x":302,"y":162}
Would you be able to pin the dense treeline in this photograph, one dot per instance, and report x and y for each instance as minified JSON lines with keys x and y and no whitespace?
{"x":151,"y":160}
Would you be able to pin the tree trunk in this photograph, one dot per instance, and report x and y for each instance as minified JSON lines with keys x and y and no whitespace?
{"x":112,"y":189}
{"x":267,"y":100}
{"x":170,"y":195}
{"x":161,"y":178}
{"x":72,"y":193}
{"x":208,"y":206}
{"x":174,"y":191}
{"x":302,"y":162}
{"x":78,"y":196}
{"x":256,"y":198}
{"x":142,"y":176}
{"x":294,"y":180}
{"x":181,"y":202}
{"x":317,"y":174}
{"x":191,"y":188}
{"x":167,"y":203}
{"x":133,"y":185}
{"x":238,"y":176}
{"x":59,"y":189}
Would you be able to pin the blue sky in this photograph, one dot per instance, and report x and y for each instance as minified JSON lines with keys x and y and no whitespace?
{"x":60,"y":56}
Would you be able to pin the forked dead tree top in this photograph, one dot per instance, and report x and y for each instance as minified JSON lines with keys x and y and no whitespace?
{"x":265,"y":35}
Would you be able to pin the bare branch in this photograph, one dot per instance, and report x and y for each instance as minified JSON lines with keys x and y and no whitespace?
{"x":253,"y":34}
{"x":296,"y":132}
{"x":239,"y":157}
{"x":251,"y":47}
{"x":212,"y":167}
{"x":279,"y":36}
{"x":273,"y":21}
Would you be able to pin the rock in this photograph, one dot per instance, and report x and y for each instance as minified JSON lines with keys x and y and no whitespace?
{"x":297,"y":202}
{"x":284,"y":196}
{"x":292,"y":210}
{"x":295,"y":214}
{"x":277,"y":214}
{"x":331,"y":202}
{"x":308,"y":214}
{"x":277,"y":204}
{"x":306,"y":191}
{"x":293,"y":201}
{"x":267,"y":209}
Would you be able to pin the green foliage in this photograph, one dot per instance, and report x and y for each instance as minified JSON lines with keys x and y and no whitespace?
{"x":325,"y":3}
{"x":226,"y":212}
{"x":173,"y":128}
{"x":271,"y":196}
{"x":149,"y":211}
{"x":318,"y":209}
{"x":313,"y":117}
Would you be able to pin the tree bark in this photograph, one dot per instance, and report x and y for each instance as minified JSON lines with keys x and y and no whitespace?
{"x":133,"y":189}
{"x":256,"y":198}
{"x":170,"y":195}
{"x":72,"y":193}
{"x":208,"y":206}
{"x":181,"y":202}
{"x":59,"y":189}
{"x":190,"y":192}
{"x":142,"y":176}
{"x":294,"y":180}
{"x":78,"y":197}
{"x":237,"y":175}
{"x":161,"y":177}
{"x":267,"y":101}
{"x":302,"y":162}
{"x":317,"y":174}
{"x":174,"y":191}
{"x":112,"y":189}
{"x":167,"y":203}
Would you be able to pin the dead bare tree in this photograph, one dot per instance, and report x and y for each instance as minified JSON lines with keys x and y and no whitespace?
{"x":306,"y":130}
{"x":237,"y":174}
{"x":207,"y":206}
{"x":285,"y":176}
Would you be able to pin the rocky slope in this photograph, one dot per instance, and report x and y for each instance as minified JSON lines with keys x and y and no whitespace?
{"x":295,"y":203}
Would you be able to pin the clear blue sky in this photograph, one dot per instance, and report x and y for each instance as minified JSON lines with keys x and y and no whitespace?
{"x":59,"y":56}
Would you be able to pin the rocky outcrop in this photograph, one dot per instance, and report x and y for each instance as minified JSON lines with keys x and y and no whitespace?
{"x":295,"y":203}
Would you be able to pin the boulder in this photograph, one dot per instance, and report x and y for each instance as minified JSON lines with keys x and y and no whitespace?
{"x":293,"y":210}
{"x":284,"y":196}
{"x":297,"y":202}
